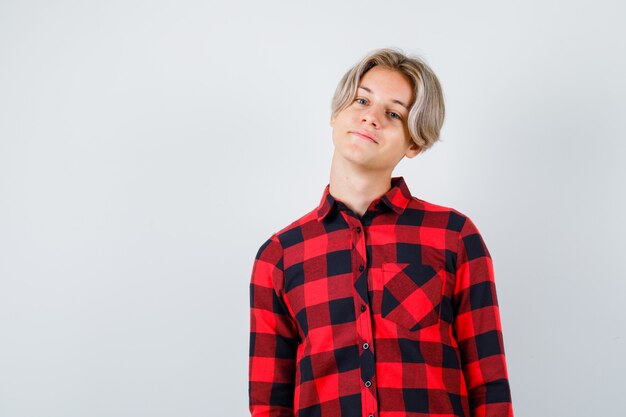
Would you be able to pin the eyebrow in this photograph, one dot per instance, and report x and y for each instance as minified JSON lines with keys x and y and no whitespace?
{"x":393,"y":100}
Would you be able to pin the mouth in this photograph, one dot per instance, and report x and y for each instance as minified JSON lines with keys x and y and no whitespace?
{"x":363,"y":135}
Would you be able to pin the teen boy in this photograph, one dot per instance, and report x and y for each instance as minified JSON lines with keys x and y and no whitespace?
{"x":377,"y":303}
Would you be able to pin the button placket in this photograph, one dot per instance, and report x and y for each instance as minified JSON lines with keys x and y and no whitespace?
{"x":364,"y":321}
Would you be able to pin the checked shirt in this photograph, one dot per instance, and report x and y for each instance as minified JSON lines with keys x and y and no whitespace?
{"x":392,"y":314}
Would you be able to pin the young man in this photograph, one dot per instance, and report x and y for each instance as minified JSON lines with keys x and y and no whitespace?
{"x":377,"y":303}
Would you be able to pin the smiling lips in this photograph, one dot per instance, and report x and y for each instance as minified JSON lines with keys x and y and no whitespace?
{"x":364,"y":135}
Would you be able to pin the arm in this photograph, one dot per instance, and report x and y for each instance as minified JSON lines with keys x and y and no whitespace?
{"x":478,"y":329}
{"x":273,"y":337}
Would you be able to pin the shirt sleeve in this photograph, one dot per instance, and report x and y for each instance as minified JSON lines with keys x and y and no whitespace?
{"x":273,"y":337}
{"x":478,"y":328}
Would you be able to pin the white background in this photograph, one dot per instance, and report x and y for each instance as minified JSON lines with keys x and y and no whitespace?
{"x":148,"y":148}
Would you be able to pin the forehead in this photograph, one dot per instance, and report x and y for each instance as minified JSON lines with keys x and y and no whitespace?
{"x":388,"y":84}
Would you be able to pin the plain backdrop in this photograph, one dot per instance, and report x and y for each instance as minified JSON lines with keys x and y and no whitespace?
{"x":148,"y":149}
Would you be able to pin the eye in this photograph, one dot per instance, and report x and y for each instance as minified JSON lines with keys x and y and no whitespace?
{"x":361,"y":101}
{"x":395,"y":115}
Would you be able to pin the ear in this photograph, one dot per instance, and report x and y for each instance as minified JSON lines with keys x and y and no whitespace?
{"x":332,"y":120}
{"x":412,"y":150}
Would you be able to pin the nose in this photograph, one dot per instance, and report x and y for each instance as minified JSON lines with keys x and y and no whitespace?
{"x":371,"y":116}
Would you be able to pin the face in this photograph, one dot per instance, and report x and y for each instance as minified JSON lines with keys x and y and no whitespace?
{"x":372,"y":131}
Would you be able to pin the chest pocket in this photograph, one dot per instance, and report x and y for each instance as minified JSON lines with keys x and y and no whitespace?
{"x":412,"y":294}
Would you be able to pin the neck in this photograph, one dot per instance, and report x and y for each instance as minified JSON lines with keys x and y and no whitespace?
{"x":356,"y":187}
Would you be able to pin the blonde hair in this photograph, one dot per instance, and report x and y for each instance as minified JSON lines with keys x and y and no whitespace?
{"x":426,"y":113}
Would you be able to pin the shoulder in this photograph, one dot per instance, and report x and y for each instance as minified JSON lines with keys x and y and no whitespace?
{"x":459,"y":229}
{"x":440,"y":216}
{"x":287,"y":235}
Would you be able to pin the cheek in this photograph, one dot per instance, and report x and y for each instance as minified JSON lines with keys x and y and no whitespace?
{"x":341,"y":122}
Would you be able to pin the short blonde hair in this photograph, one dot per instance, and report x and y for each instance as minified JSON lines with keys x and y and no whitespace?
{"x":426,"y":113}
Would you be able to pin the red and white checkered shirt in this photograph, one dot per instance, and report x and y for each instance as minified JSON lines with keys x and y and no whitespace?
{"x":391,"y":314}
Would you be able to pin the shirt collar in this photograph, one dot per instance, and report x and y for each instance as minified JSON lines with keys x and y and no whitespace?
{"x":396,"y":198}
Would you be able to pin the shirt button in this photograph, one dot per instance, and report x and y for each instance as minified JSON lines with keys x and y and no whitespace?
{"x":371,"y":415}
{"x":366,"y":345}
{"x":358,"y":229}
{"x":363,"y":308}
{"x":368,"y":384}
{"x":361,"y":268}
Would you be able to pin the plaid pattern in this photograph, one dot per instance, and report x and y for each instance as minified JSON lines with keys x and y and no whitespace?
{"x":393,"y":314}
